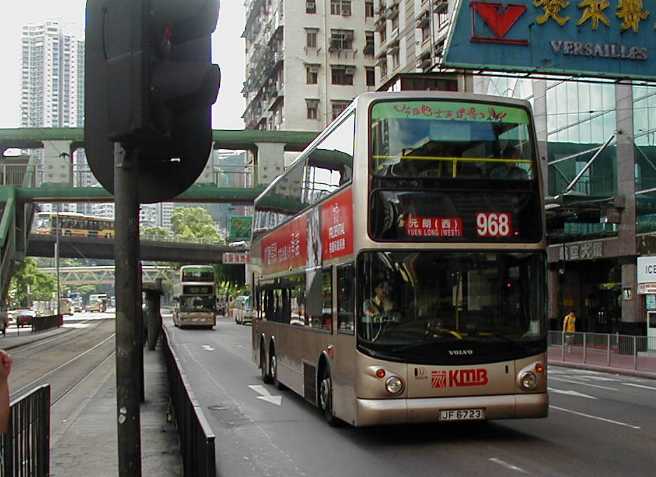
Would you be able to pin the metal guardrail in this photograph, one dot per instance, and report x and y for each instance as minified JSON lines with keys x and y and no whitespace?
{"x":222,"y":177}
{"x":196,"y":437}
{"x":25,"y":448}
{"x":42,"y":323}
{"x":626,"y":352}
{"x":13,"y":174}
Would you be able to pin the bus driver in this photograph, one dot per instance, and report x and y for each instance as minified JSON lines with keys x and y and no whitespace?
{"x":381,"y":307}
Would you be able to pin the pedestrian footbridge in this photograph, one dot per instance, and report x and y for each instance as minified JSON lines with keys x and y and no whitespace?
{"x":52,"y":173}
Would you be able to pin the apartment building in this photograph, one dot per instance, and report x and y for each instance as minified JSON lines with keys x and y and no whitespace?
{"x":409,"y":36}
{"x":52,"y":77}
{"x":305,"y":61}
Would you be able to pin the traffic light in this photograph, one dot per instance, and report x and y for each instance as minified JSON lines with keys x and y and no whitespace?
{"x":150,"y":85}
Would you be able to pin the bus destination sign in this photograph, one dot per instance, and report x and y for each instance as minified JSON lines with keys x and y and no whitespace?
{"x":196,"y":290}
{"x":418,"y":226}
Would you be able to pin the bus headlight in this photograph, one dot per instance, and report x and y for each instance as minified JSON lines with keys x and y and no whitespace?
{"x":528,"y":381}
{"x":394,"y":385}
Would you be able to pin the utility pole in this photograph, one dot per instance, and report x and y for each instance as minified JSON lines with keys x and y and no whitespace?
{"x":128,"y":341}
{"x":148,"y":92}
{"x":57,"y":234}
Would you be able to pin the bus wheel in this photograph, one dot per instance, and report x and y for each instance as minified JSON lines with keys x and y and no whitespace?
{"x":326,"y":398}
{"x":264,"y":365}
{"x":273,"y":369}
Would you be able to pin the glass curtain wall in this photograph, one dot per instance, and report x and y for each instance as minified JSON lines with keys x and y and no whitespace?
{"x":580,"y":120}
{"x":644,"y":133}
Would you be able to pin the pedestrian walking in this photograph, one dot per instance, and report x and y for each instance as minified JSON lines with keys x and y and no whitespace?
{"x":569,"y":328}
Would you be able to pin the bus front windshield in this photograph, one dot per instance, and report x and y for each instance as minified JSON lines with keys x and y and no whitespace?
{"x":451,"y":139}
{"x":420,"y":306}
{"x":191,"y":304}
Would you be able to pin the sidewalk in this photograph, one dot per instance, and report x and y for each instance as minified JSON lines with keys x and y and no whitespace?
{"x":597,"y":361}
{"x":87,"y":444}
{"x":83,"y":439}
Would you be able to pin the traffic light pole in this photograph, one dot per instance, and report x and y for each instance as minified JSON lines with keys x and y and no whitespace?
{"x":128,"y":340}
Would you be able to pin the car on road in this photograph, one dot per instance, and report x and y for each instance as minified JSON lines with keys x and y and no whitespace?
{"x":24,"y":317}
{"x":243,"y":310}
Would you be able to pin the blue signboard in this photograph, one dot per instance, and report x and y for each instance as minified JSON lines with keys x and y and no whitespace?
{"x":605,"y":38}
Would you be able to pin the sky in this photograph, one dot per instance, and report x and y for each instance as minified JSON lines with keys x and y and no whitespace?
{"x":227,"y":52}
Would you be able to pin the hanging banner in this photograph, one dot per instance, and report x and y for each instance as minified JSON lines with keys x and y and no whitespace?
{"x":337,"y":226}
{"x":610,"y":38}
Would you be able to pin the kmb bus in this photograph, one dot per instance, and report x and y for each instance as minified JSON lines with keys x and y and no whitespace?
{"x":195,"y":297}
{"x":399,"y":264}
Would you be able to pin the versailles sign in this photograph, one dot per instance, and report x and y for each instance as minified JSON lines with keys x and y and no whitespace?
{"x":604,"y":38}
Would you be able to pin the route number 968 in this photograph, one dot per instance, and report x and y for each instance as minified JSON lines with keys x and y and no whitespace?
{"x":493,"y":224}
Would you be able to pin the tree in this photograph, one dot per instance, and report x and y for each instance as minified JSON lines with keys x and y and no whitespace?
{"x":155,"y":233}
{"x":194,"y":223}
{"x":29,"y":283}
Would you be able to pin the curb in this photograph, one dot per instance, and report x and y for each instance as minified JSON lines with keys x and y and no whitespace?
{"x":592,"y":367}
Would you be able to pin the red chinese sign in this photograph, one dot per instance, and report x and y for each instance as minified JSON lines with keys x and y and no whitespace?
{"x":337,"y":226}
{"x":286,"y":247}
{"x":418,"y":226}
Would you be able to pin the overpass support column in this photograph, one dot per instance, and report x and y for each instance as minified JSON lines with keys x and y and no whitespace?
{"x":632,"y":320}
{"x":57,"y":163}
{"x":270,"y":162}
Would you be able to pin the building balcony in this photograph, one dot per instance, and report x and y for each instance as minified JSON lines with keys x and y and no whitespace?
{"x":424,"y":47}
{"x":440,"y":6}
{"x":423,"y":19}
{"x":392,"y":11}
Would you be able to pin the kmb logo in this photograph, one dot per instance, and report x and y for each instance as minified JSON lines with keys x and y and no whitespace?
{"x":459,"y":378}
{"x":499,"y":20}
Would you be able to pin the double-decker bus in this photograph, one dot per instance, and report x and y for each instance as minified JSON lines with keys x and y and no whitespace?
{"x":73,"y":224}
{"x":399,"y":264}
{"x":195,"y":297}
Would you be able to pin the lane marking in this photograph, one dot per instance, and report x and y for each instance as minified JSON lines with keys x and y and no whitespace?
{"x":601,"y":378}
{"x":570,"y":393}
{"x":640,"y":386}
{"x":265,"y":395}
{"x":507,"y":465}
{"x":207,"y":348}
{"x":582,"y":414}
{"x":76,"y":325}
{"x":599,"y":386}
